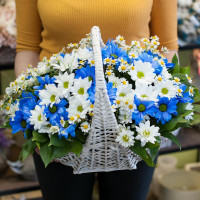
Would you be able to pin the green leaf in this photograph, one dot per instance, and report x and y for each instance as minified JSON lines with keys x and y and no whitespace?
{"x":172,"y":138}
{"x":77,"y":147}
{"x":174,"y":121}
{"x":28,"y":133}
{"x":185,"y":70}
{"x":154,"y":152}
{"x":55,"y":141}
{"x":187,"y":112}
{"x":142,"y":152}
{"x":175,"y":59}
{"x":176,"y":69}
{"x":181,"y":108}
{"x":28,"y":149}
{"x":40,"y":137}
{"x":62,"y":151}
{"x":196,"y":108}
{"x":196,"y":120}
{"x":46,"y":153}
{"x":196,"y":95}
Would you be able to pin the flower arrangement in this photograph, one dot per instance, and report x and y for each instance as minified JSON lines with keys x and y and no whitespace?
{"x":188,"y":21}
{"x":7,"y":24}
{"x":150,"y":97}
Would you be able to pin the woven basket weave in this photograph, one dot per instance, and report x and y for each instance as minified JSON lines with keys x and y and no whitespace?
{"x":101,"y":152}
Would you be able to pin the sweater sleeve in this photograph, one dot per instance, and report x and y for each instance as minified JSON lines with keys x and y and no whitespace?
{"x":29,"y":25}
{"x":164,"y":23}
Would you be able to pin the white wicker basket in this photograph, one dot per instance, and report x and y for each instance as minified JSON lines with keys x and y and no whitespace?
{"x":101,"y":152}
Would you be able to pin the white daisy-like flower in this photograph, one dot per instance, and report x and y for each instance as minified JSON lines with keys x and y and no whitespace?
{"x":10,"y":110}
{"x":123,"y":68}
{"x":124,"y":82}
{"x":165,"y":49}
{"x":51,"y":95}
{"x":21,"y":79}
{"x":147,"y":133}
{"x":72,"y":119}
{"x":84,"y":54}
{"x":158,"y":79}
{"x":166,"y":89}
{"x":54,"y":129}
{"x":191,"y":91}
{"x":109,"y":73}
{"x":31,"y":81}
{"x":81,"y":86}
{"x":62,"y":121}
{"x":146,"y":93}
{"x":113,"y":62}
{"x":120,"y":40}
{"x":165,"y":74}
{"x":115,"y":80}
{"x":125,"y":137}
{"x":65,"y":82}
{"x":85,"y":127}
{"x":43,"y":67}
{"x":38,"y":117}
{"x":177,"y":81}
{"x":190,"y":116}
{"x":143,"y":73}
{"x":179,"y":91}
{"x":124,"y":91}
{"x":107,"y":61}
{"x":78,"y":106}
{"x":133,"y":54}
{"x":155,"y":37}
{"x":161,"y":62}
{"x":155,"y":43}
{"x":188,"y":78}
{"x":145,"y":41}
{"x":135,"y":43}
{"x":91,"y":62}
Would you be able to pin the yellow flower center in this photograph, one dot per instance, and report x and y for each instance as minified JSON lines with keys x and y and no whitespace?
{"x":179,"y":90}
{"x":85,"y":126}
{"x":126,"y":102}
{"x":7,"y":108}
{"x":109,"y":73}
{"x":145,"y":40}
{"x":177,"y":80}
{"x":78,"y":116}
{"x":121,"y":38}
{"x":107,"y":59}
{"x":113,"y":62}
{"x":191,"y":90}
{"x":155,"y":43}
{"x":124,"y":82}
{"x":130,"y":106}
{"x":62,"y":121}
{"x":162,"y":63}
{"x":91,"y":114}
{"x":118,"y":102}
{"x":132,"y":67}
{"x":53,"y":98}
{"x":133,"y":55}
{"x":123,"y":67}
{"x":40,"y":118}
{"x":92,"y":61}
{"x":72,"y":118}
{"x":189,"y":78}
{"x":109,"y":67}
{"x":146,"y":133}
{"x":125,"y":138}
{"x":92,"y":106}
{"x":159,"y":79}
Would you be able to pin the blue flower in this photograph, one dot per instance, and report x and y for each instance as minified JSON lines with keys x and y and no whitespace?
{"x":185,"y":98}
{"x":64,"y":132}
{"x":19,"y":122}
{"x":85,"y":72}
{"x":158,"y":68}
{"x":166,"y":108}
{"x":145,"y":57}
{"x":111,"y":92}
{"x":57,"y":111}
{"x":111,"y":50}
{"x":43,"y":81}
{"x":169,"y":65}
{"x":142,"y":108}
{"x":91,"y":93}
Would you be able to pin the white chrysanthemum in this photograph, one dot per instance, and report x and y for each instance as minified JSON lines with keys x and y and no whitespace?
{"x":107,"y":61}
{"x":155,"y":43}
{"x":179,"y":92}
{"x":78,"y":106}
{"x":145,"y":92}
{"x":191,"y":91}
{"x":147,"y":133}
{"x":158,"y":79}
{"x":116,"y":81}
{"x":165,"y":74}
{"x":109,"y":73}
{"x":38,"y":118}
{"x":10,"y":110}
{"x":123,"y":91}
{"x":125,"y":137}
{"x":177,"y":81}
{"x":81,"y":86}
{"x":133,"y":54}
{"x":143,"y":73}
{"x":188,"y":78}
{"x":50,"y":95}
{"x":166,"y":89}
{"x":124,"y":82}
{"x":120,"y":40}
{"x":65,"y":83}
{"x":85,"y":127}
{"x":125,"y":116}
{"x":190,"y":116}
{"x":84,"y":54}
{"x":123,"y":68}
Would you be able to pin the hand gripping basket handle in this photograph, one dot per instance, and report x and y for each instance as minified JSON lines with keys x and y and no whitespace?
{"x":96,"y":42}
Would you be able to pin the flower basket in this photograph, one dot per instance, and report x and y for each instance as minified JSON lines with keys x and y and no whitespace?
{"x":102,"y":107}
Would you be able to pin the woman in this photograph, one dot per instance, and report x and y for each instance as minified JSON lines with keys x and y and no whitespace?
{"x":44,"y":27}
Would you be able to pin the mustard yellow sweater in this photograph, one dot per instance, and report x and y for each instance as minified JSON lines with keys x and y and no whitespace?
{"x":46,"y":26}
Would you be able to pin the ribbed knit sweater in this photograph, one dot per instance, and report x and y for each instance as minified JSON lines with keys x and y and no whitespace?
{"x":46,"y":26}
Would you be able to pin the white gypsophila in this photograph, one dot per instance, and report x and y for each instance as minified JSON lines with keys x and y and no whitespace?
{"x":143,"y":73}
{"x":165,"y":74}
{"x":84,"y":54}
{"x":190,"y":116}
{"x":65,"y":82}
{"x":12,"y":109}
{"x":85,"y":127}
{"x":123,"y":91}
{"x":191,"y":91}
{"x":115,"y":80}
{"x":125,"y":116}
{"x":120,"y":40}
{"x":54,"y":129}
{"x":146,"y":93}
{"x":51,"y":95}
{"x":78,"y":106}
{"x":38,"y":117}
{"x":125,"y":137}
{"x":166,"y":89}
{"x":185,"y":3}
{"x":147,"y":133}
{"x":81,"y":86}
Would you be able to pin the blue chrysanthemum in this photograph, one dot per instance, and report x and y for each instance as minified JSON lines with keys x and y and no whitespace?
{"x":19,"y":122}
{"x":166,"y":108}
{"x":185,"y":98}
{"x":145,"y":57}
{"x":142,"y":108}
{"x":86,"y":72}
{"x":43,"y":81}
{"x":64,"y":132}
{"x":112,"y":50}
{"x":169,"y":65}
{"x":91,"y":93}
{"x":56,"y":111}
{"x":111,"y":92}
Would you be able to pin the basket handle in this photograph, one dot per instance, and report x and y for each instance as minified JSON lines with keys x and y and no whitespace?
{"x":96,"y":43}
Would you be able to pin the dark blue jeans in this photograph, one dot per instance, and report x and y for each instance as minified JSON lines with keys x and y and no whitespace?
{"x":59,"y":183}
